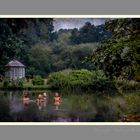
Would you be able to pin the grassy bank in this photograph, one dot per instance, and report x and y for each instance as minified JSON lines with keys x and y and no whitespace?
{"x":27,"y":86}
{"x":23,"y":84}
{"x":72,"y":80}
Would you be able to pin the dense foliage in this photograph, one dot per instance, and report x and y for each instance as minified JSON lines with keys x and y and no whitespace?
{"x":80,"y":79}
{"x":120,"y":55}
{"x":43,"y":50}
{"x":17,"y":36}
{"x":89,"y":33}
{"x":92,"y":58}
{"x":113,"y":47}
{"x":37,"y":80}
{"x":13,"y":84}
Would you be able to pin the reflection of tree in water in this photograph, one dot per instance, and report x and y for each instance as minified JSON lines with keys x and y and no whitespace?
{"x":29,"y":113}
{"x":5,"y":110}
{"x":74,"y":108}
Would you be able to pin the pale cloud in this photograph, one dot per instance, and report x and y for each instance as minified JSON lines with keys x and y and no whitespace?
{"x":70,"y":23}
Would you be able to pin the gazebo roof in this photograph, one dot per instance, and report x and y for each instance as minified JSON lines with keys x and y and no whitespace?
{"x":14,"y":63}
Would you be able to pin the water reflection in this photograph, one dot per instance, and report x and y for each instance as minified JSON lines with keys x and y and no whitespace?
{"x":57,"y":107}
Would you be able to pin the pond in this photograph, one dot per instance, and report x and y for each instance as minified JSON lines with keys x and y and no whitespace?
{"x":74,"y":107}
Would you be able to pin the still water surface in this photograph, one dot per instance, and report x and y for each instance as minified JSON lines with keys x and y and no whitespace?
{"x":75,"y":107}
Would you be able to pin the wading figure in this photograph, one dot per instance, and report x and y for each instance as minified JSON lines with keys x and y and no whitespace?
{"x":57,"y":100}
{"x":26,"y":99}
{"x":40,"y":101}
{"x":45,"y":97}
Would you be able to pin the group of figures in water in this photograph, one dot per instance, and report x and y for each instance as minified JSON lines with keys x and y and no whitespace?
{"x":42,"y":99}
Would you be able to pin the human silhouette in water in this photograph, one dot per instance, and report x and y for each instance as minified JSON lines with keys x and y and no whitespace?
{"x":57,"y":100}
{"x":45,"y":98}
{"x":42,"y":100}
{"x":26,"y":99}
{"x":39,"y":101}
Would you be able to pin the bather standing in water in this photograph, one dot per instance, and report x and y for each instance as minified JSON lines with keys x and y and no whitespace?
{"x":45,"y":97}
{"x":57,"y":100}
{"x":40,"y":101}
{"x":26,"y":99}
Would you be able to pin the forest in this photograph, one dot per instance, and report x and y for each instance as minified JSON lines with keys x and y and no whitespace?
{"x":94,"y":70}
{"x":43,"y":50}
{"x":112,"y":48}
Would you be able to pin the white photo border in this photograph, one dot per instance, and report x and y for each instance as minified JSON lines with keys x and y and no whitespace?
{"x":70,"y":123}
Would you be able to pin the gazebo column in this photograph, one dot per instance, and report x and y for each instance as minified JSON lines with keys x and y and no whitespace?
{"x":20,"y":72}
{"x":12,"y":73}
{"x":23,"y":72}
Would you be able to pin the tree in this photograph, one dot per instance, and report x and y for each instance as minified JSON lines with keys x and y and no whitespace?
{"x":40,"y":60}
{"x":10,"y":45}
{"x":119,"y":56}
{"x":18,"y":35}
{"x":89,"y":34}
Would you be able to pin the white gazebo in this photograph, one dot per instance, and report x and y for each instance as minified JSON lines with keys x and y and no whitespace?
{"x":14,"y":70}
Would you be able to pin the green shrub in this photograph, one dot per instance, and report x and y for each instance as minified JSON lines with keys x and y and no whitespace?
{"x":37,"y":80}
{"x":70,"y":79}
{"x":133,"y":103}
{"x":6,"y":83}
{"x":17,"y":83}
{"x":127,"y":85}
{"x":80,"y":79}
{"x":103,"y":84}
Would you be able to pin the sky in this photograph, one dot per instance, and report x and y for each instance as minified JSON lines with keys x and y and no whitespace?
{"x":70,"y":23}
